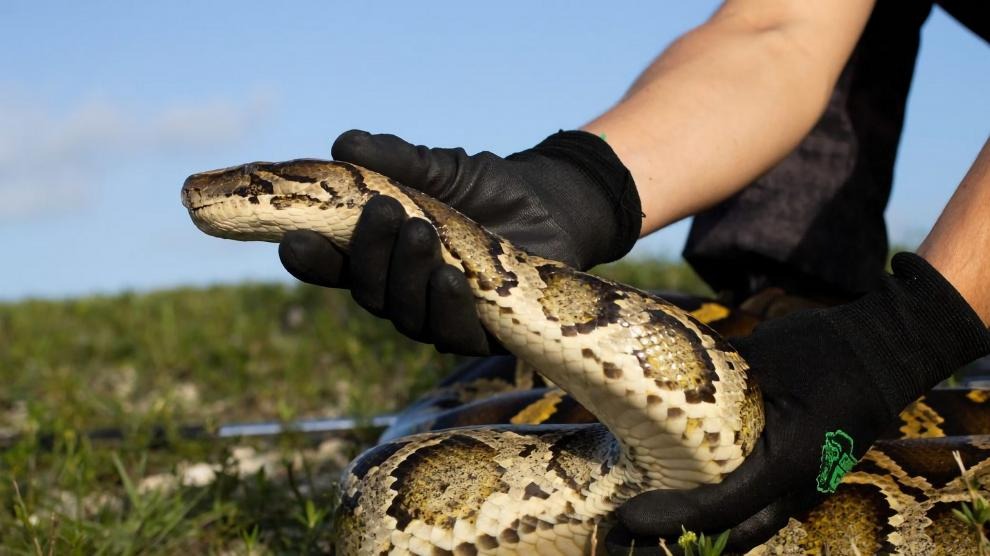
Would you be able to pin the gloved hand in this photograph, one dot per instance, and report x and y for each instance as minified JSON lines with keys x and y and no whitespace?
{"x":832,"y":381}
{"x":569,"y":198}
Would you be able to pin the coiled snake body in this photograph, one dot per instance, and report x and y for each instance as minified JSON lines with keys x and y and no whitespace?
{"x":675,"y":406}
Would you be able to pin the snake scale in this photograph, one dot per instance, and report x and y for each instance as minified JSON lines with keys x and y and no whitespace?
{"x":673,"y":402}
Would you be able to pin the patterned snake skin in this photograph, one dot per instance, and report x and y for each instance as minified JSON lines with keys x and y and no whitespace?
{"x":673,"y":404}
{"x":898,"y":500}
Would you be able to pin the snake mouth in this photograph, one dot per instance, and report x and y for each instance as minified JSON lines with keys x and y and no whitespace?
{"x":197,"y":205}
{"x":197,"y":208}
{"x":192,"y":206}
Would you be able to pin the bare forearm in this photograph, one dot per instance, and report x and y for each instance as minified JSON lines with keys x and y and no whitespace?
{"x":959,"y":243}
{"x":723,"y":104}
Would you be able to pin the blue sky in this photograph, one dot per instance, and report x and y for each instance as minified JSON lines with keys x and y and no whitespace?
{"x":106,"y":107}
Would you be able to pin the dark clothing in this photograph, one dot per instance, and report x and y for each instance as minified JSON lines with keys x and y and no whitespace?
{"x":974,"y":14}
{"x":814,"y":223}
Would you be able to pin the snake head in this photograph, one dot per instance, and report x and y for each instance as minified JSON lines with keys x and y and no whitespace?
{"x":244,"y":181}
{"x":261,"y":201}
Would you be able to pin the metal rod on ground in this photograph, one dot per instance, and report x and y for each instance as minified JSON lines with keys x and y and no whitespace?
{"x":159,"y":435}
{"x":340,"y":425}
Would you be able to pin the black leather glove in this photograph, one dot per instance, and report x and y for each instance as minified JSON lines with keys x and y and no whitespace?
{"x":569,"y":198}
{"x":832,"y":380}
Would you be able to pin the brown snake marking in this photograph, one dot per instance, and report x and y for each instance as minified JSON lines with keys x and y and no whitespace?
{"x":902,"y":480}
{"x":676,"y":406}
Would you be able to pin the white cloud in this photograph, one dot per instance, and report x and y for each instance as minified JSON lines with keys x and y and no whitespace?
{"x":50,"y":160}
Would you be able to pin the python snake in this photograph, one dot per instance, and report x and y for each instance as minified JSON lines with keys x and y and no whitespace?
{"x":674,"y":405}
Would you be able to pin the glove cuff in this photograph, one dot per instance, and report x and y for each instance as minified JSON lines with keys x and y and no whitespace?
{"x":913,"y":332}
{"x":597,"y":162}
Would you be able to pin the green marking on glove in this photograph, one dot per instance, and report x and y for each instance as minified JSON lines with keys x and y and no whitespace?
{"x":602,"y":136}
{"x":837,"y":460}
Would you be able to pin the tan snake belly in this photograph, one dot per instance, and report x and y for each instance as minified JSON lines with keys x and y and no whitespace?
{"x":673,"y":400}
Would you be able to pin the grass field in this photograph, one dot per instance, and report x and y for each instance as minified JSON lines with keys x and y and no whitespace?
{"x":228,"y":353}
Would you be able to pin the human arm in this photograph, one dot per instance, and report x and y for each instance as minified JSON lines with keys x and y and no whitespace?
{"x":729,"y":99}
{"x":959,"y":243}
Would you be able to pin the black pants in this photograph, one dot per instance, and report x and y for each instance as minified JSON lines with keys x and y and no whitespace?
{"x":814,"y":223}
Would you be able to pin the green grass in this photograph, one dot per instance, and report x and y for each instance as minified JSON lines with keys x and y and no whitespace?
{"x":252,"y":352}
{"x":233,"y":353}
